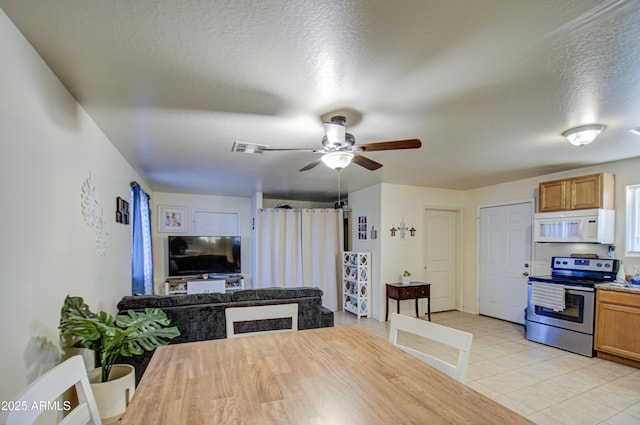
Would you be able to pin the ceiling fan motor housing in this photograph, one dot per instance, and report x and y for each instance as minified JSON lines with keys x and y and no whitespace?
{"x":334,"y":133}
{"x":349,"y":141}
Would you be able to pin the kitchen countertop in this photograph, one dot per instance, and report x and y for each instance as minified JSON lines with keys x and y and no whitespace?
{"x":610,"y":287}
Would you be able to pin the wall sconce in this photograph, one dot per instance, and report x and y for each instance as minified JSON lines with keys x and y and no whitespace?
{"x":403,"y":229}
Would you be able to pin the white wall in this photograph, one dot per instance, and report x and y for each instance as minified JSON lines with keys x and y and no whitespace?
{"x":385,"y":205}
{"x":626,"y":173}
{"x":244,"y":207}
{"x":294,"y":203}
{"x":50,"y":146}
{"x":410,"y":203}
{"x":367,"y":202}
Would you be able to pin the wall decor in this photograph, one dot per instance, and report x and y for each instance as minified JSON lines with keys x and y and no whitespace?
{"x":89,"y":202}
{"x":122,"y":211}
{"x":102,"y":236}
{"x":93,"y":215}
{"x":402,"y":229}
{"x":172,"y":219}
{"x":362,"y":227}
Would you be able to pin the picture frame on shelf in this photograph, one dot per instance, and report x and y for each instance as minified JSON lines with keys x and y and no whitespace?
{"x":172,"y":219}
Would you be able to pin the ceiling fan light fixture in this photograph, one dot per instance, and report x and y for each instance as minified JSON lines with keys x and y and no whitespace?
{"x":337,"y":160}
{"x":583,"y":135}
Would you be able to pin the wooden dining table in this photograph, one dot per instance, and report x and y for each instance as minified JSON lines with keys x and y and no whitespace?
{"x":338,"y":375}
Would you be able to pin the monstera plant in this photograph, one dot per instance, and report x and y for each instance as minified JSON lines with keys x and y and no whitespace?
{"x":127,"y":335}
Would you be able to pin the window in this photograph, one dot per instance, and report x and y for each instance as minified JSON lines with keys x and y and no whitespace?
{"x":633,"y":220}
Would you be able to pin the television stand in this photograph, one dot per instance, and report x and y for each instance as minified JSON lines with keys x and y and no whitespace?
{"x":195,"y":285}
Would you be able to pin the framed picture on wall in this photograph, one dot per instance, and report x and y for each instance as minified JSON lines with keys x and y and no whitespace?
{"x":172,"y":219}
{"x":362,"y":227}
{"x":122,"y":211}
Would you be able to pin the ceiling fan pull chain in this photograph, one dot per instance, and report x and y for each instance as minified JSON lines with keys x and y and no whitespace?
{"x":339,"y":187}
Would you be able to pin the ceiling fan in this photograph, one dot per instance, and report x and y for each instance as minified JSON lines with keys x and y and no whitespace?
{"x":339,"y":147}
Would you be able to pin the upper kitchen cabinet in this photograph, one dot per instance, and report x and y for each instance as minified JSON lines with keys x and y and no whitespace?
{"x":577,"y":193}
{"x":553,"y":196}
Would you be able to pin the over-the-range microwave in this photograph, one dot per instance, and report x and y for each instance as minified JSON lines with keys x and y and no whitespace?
{"x":586,"y":226}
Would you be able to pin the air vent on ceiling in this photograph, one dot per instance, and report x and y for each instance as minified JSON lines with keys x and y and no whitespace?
{"x":243,"y":147}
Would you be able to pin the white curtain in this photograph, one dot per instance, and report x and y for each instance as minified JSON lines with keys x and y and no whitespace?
{"x":279,"y":259}
{"x":300,"y":248}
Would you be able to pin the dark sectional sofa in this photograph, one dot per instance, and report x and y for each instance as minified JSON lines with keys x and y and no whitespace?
{"x":201,"y":317}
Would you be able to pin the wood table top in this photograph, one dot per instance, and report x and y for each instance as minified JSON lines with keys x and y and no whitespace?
{"x":337,"y":375}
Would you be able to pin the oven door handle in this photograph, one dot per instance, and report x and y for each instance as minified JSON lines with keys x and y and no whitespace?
{"x":576,"y":288}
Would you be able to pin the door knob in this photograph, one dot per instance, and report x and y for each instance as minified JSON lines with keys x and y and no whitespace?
{"x":525,"y":274}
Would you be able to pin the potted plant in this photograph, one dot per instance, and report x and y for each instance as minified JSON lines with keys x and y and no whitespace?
{"x":406,"y":275}
{"x":126,"y":335}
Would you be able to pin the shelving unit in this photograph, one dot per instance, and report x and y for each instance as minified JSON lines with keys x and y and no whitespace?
{"x":176,"y":286}
{"x":356,"y":268}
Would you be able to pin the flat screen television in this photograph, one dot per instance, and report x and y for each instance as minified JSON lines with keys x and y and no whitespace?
{"x":195,"y":255}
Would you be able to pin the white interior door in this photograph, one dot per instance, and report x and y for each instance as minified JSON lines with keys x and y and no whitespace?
{"x":504,"y":260}
{"x":440,"y":242}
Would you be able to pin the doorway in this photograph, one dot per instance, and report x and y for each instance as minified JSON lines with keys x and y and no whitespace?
{"x":440,"y":257}
{"x":504,"y":252}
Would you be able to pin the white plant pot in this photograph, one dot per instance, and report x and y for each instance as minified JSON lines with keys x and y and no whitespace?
{"x":406,"y":280}
{"x":113,"y":396}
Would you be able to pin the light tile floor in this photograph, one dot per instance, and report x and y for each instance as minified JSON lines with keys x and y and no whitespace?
{"x":547,"y":385}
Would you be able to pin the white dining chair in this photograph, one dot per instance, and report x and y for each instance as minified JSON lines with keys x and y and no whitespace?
{"x":452,"y":337}
{"x":260,"y":312}
{"x":42,"y":395}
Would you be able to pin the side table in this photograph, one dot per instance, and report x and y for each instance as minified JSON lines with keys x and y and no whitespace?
{"x":414,"y":290}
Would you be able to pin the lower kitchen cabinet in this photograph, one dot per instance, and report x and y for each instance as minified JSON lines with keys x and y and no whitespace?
{"x":617,"y":323}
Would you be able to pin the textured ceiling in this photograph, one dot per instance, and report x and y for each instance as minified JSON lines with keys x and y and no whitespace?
{"x":488,"y":86}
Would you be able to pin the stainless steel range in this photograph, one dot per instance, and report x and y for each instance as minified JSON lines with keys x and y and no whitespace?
{"x":561,"y":307}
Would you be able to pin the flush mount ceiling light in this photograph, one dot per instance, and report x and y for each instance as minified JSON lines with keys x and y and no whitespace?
{"x":635,"y":131}
{"x":337,"y":160}
{"x":583,"y":135}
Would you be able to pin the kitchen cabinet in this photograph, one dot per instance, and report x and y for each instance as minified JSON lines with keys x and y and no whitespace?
{"x":553,"y":195}
{"x":577,"y":193}
{"x":617,"y":323}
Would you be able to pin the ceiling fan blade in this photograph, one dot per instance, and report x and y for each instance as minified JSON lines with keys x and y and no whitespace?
{"x":389,"y":146}
{"x":288,"y":149}
{"x":311,"y":165}
{"x":365,"y":162}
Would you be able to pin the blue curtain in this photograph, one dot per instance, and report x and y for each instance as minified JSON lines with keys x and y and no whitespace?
{"x":141,"y":258}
